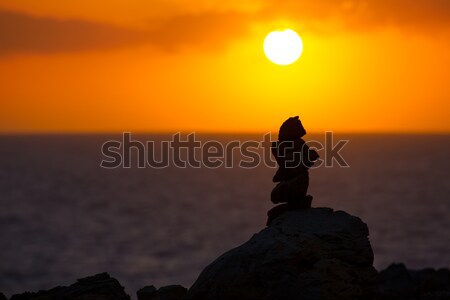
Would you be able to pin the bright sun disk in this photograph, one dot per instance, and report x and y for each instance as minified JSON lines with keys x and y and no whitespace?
{"x":283,"y":47}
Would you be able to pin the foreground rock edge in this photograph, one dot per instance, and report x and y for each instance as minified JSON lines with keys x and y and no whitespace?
{"x":395,"y":282}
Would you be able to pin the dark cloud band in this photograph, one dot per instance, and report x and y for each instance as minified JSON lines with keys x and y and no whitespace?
{"x":20,"y":33}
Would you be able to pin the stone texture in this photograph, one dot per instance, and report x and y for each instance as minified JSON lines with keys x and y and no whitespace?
{"x":291,"y":206}
{"x":170,"y":292}
{"x":98,"y":287}
{"x":147,"y":293}
{"x":294,"y":158}
{"x":397,"y":282}
{"x":305,"y":254}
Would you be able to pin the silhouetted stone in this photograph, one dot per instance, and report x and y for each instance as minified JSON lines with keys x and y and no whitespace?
{"x":100,"y":286}
{"x":282,"y":208}
{"x":397,"y":282}
{"x":303,"y":254}
{"x":169,"y":292}
{"x":291,"y":191}
{"x":2,"y":297}
{"x":291,"y":129}
{"x":439,"y":295}
{"x":147,"y":293}
{"x":431,"y":280}
{"x":294,"y":158}
{"x":172,"y":292}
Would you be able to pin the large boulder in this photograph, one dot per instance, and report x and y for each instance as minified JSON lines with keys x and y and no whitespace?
{"x":314,"y":253}
{"x":98,"y":287}
{"x":169,"y":292}
{"x":397,"y":282}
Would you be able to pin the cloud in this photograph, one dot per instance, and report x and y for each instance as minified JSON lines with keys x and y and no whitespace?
{"x":357,"y":15}
{"x":20,"y":33}
{"x":417,"y":13}
{"x":212,"y":30}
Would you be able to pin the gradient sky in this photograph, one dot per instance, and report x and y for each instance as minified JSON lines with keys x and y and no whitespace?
{"x":171,"y":65}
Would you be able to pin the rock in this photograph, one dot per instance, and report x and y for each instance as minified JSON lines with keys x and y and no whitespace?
{"x":147,"y":293}
{"x":2,"y":297}
{"x":397,"y":282}
{"x":100,"y":286}
{"x":294,"y":158}
{"x":445,"y":295}
{"x":430,"y":280}
{"x":291,"y":191}
{"x":170,"y":292}
{"x":310,"y":254}
{"x":291,"y":206}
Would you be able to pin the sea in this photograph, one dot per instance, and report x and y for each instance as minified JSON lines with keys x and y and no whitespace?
{"x":63,"y":216}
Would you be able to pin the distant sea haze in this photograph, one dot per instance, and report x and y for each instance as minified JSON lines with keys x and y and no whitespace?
{"x":64,"y":217}
{"x":194,"y":151}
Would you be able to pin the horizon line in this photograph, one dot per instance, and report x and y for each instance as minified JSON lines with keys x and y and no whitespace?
{"x":218,"y":132}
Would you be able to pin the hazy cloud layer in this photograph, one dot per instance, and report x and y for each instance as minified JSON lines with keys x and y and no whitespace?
{"x":21,"y":33}
{"x":364,"y":14}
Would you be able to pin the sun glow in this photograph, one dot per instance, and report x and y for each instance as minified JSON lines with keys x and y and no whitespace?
{"x":283,"y":47}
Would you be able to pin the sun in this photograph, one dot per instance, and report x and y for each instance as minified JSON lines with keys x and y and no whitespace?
{"x":283,"y":47}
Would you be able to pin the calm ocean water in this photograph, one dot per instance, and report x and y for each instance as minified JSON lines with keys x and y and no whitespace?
{"x":63,"y":217}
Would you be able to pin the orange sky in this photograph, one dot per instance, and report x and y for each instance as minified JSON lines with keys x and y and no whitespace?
{"x":171,"y":65}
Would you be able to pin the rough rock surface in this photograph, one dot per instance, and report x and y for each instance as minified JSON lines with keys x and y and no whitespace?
{"x":169,"y":292}
{"x":306,"y":254}
{"x":396,"y":282}
{"x":283,"y":208}
{"x":148,"y":292}
{"x":99,"y":287}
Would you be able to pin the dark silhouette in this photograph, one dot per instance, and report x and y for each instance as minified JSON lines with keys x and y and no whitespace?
{"x":308,"y":254}
{"x":294,"y":159}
